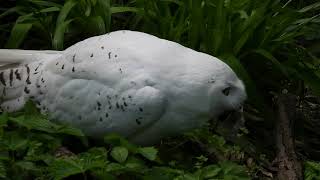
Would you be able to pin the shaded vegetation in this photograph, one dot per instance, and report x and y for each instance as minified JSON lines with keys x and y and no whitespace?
{"x":272,"y":45}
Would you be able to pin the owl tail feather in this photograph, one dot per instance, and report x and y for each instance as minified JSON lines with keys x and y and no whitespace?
{"x":19,"y":72}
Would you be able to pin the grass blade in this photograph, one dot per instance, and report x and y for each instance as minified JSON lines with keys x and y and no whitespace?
{"x":58,"y":39}
{"x":67,"y":7}
{"x":18,"y":34}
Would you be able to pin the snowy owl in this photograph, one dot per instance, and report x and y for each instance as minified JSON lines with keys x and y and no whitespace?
{"x":126,"y":82}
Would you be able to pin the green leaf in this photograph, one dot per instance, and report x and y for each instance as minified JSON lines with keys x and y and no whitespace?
{"x":211,"y":171}
{"x":10,"y":11}
{"x":3,"y":171}
{"x":67,"y":7}
{"x":124,"y":9}
{"x":58,"y":38}
{"x":14,"y":141}
{"x":148,"y":152}
{"x":64,"y":167}
{"x":313,"y":6}
{"x":117,"y":140}
{"x":18,"y":34}
{"x":4,"y":119}
{"x":119,"y":153}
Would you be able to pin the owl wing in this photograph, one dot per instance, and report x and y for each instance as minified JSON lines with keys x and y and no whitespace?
{"x":100,"y":90}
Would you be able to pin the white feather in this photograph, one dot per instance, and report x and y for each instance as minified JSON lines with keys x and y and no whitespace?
{"x":126,"y":82}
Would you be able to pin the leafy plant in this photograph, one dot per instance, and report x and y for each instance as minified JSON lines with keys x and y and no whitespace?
{"x":33,"y":147}
{"x":312,"y":170}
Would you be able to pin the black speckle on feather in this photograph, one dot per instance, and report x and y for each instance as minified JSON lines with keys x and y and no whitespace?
{"x":57,"y":63}
{"x":73,"y":69}
{"x":115,"y":56}
{"x":130,"y":96}
{"x":38,"y":86}
{"x":140,"y":109}
{"x":125,"y":104}
{"x":62,"y":66}
{"x":102,"y":47}
{"x":109,"y":54}
{"x":138,"y":121}
{"x":120,"y":70}
{"x":74,"y":58}
{"x":107,"y":115}
{"x":122,"y":108}
{"x":17,"y":74}
{"x":91,"y":55}
{"x":28,"y":69}
{"x":36,"y":73}
{"x":28,"y":80}
{"x":11,"y":76}
{"x":3,"y":81}
{"x":98,"y":103}
{"x":110,"y":107}
{"x":26,"y":90}
{"x":117,"y":105}
{"x":100,"y":119}
{"x":37,"y":67}
{"x":42,"y":80}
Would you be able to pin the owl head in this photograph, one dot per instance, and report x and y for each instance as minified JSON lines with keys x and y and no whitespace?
{"x":227,"y":92}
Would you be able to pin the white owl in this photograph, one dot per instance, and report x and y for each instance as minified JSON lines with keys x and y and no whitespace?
{"x":126,"y":82}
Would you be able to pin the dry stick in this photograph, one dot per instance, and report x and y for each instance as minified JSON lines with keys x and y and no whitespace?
{"x":289,"y":167}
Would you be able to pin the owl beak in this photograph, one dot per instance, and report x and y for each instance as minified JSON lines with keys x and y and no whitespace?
{"x":232,"y":120}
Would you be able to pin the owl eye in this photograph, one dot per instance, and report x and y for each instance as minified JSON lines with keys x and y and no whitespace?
{"x":226,"y":91}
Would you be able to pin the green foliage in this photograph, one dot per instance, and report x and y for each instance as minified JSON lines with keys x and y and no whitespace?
{"x":33,"y":147}
{"x":269,"y":44}
{"x":312,"y":170}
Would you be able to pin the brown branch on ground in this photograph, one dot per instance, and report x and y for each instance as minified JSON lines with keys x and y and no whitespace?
{"x":289,"y":167}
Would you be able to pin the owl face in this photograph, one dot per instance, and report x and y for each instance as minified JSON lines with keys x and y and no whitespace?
{"x":226,"y":94}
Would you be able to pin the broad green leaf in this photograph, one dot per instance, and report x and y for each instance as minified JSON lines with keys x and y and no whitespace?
{"x":117,"y":140}
{"x":119,"y":153}
{"x":211,"y":171}
{"x":64,"y":167}
{"x":18,"y":34}
{"x":148,"y":152}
